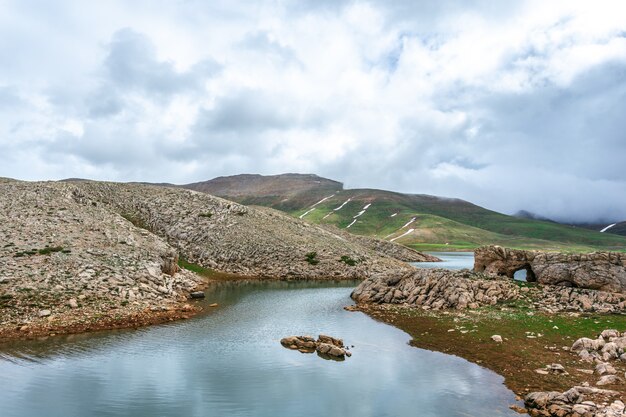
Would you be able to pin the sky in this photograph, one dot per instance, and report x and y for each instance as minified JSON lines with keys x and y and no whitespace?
{"x":510,"y":105}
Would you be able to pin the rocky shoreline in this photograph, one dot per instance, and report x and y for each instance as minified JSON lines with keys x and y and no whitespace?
{"x":424,"y":301}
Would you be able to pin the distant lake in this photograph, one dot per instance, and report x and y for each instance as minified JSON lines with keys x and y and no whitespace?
{"x":229,"y":362}
{"x":459,"y":260}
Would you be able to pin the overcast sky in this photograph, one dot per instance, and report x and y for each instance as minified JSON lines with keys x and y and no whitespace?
{"x":511,"y":105}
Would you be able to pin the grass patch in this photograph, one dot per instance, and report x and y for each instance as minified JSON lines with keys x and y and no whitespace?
{"x":135,"y":220}
{"x":208,"y":272}
{"x":348,"y":260}
{"x":48,"y":250}
{"x":207,"y":215}
{"x":311,"y":258}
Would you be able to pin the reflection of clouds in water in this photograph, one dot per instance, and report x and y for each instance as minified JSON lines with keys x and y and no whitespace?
{"x":230,"y":362}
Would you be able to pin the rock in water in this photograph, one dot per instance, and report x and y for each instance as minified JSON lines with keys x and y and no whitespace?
{"x":327,"y":347}
{"x":197,"y":294}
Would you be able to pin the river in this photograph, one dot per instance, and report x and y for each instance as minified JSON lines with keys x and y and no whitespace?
{"x":229,"y":362}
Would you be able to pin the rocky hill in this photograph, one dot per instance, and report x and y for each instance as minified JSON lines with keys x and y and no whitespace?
{"x":285,"y":191}
{"x":72,"y":251}
{"x":423,"y":222}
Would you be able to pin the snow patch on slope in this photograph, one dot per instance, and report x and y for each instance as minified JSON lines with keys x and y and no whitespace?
{"x":341,"y":206}
{"x":304,"y":214}
{"x":607,"y":228}
{"x":402,"y":235}
{"x":322,"y":200}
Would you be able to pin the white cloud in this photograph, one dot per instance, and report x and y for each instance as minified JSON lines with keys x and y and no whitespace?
{"x":504,"y":105}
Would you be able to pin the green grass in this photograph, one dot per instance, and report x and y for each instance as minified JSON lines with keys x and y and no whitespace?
{"x":206,"y":272}
{"x":311,"y":258}
{"x":443,"y":224}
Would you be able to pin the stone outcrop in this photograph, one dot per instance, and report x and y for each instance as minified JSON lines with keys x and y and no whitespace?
{"x":435,"y":289}
{"x":326,"y":347}
{"x":605,"y":271}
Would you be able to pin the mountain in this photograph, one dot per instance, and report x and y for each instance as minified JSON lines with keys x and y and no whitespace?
{"x":419,"y":221}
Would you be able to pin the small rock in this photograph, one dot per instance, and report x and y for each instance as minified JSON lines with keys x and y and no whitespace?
{"x":605,"y":368}
{"x":44,"y":313}
{"x":556,"y":368}
{"x":197,"y":294}
{"x":213,"y":305}
{"x":496,"y":338}
{"x":72,"y":303}
{"x":608,"y":380}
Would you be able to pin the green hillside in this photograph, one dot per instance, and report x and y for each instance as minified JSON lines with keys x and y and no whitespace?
{"x":439,"y":223}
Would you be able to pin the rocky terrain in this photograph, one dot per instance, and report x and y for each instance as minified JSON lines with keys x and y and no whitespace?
{"x":606,"y":354}
{"x":81,"y":255}
{"x":435,"y":289}
{"x":64,"y":262}
{"x":231,"y":237}
{"x":605,"y":271}
{"x":440,"y":289}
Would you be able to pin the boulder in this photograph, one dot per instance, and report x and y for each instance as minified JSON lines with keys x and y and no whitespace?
{"x":603,"y":271}
{"x":197,"y":295}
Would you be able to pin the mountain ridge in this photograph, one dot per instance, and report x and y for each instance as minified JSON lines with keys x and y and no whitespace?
{"x":420,"y":221}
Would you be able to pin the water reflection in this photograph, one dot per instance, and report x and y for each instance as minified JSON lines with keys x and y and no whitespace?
{"x":230,"y":362}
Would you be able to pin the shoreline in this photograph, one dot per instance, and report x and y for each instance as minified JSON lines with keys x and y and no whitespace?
{"x":517,"y":359}
{"x":86,"y":322}
{"x":90,"y":320}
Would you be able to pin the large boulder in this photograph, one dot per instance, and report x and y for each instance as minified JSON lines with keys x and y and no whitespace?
{"x":604,"y":271}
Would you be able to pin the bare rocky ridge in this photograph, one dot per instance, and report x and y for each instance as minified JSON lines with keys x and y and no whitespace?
{"x":605,"y":271}
{"x":64,"y":262}
{"x":72,"y":251}
{"x":227,"y":236}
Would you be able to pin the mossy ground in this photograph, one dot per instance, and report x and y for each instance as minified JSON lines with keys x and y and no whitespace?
{"x":211,"y":274}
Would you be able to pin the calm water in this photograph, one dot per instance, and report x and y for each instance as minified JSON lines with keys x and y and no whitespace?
{"x":459,"y":260}
{"x":229,"y":363}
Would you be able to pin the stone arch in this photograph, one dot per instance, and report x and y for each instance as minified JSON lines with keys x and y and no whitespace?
{"x":530,"y":274}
